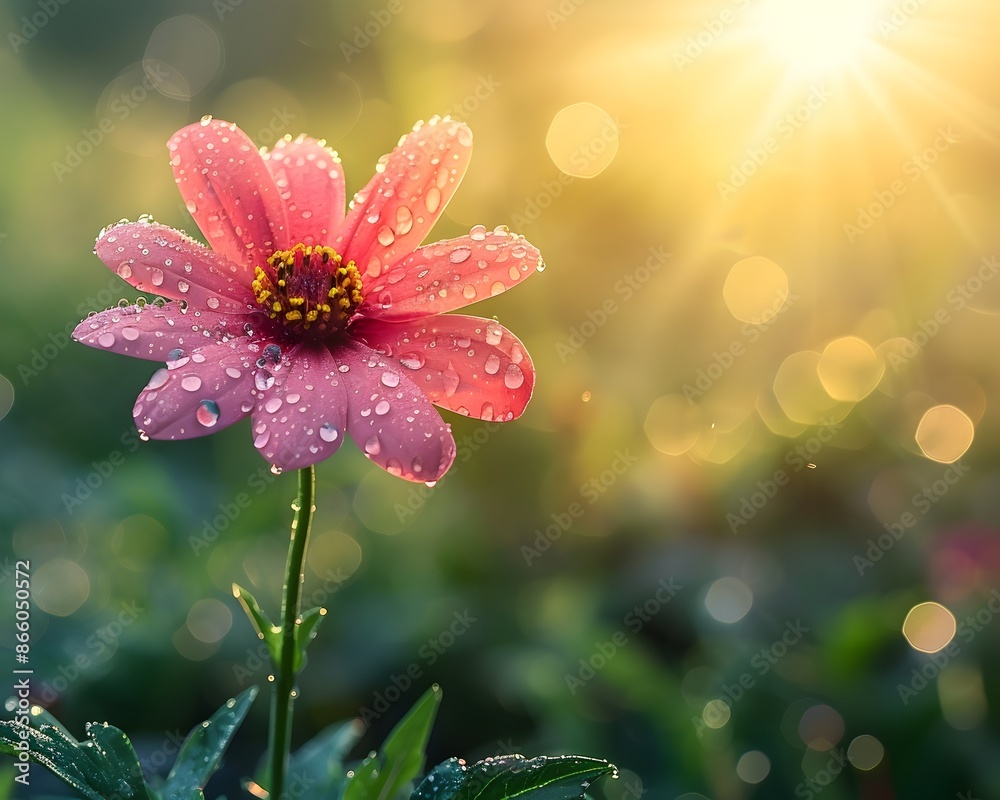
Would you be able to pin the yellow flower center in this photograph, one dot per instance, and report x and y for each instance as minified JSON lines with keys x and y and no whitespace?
{"x":309,"y":286}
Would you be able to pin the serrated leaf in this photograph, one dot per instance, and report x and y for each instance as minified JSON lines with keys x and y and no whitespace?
{"x":101,"y":767}
{"x":401,"y":759}
{"x":305,"y":632}
{"x":202,"y":750}
{"x":318,"y":764}
{"x":266,"y":630}
{"x":510,"y":777}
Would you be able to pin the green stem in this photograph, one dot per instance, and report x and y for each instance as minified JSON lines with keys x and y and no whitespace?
{"x":284,"y":684}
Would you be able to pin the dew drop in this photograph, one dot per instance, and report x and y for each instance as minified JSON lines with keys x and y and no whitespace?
{"x":411,"y":360}
{"x":233,"y":373}
{"x":191,"y":383}
{"x":124,"y":270}
{"x":373,"y":446}
{"x":328,"y":432}
{"x":106,"y":339}
{"x":404,"y":220}
{"x":417,"y":465}
{"x":263,"y":380}
{"x":207,"y":413}
{"x":469,"y":291}
{"x":394,"y":467}
{"x":497,"y":288}
{"x":478,"y":233}
{"x":212,"y":302}
{"x":493,"y":334}
{"x":156,"y":276}
{"x":131,"y":334}
{"x":183,"y":287}
{"x":385,"y":236}
{"x":390,"y":379}
{"x":432,"y":199}
{"x":275,"y":469}
{"x":514,"y":274}
{"x":492,"y":366}
{"x":460,"y":254}
{"x":272,"y":404}
{"x":159,"y":378}
{"x":382,"y":408}
{"x":513,"y":377}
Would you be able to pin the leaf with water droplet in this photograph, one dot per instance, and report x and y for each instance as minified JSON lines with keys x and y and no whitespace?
{"x":401,"y":757}
{"x":104,"y":765}
{"x":305,"y":632}
{"x":266,"y":630}
{"x":514,"y":776}
{"x":202,"y":751}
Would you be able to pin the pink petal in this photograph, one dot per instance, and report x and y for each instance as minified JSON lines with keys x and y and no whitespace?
{"x":468,"y":365}
{"x":153,"y":332}
{"x":310,"y":180}
{"x":197,"y":396}
{"x":451,"y":274}
{"x":392,"y":215}
{"x":301,"y":419}
{"x":158,"y":259}
{"x":390,"y":419}
{"x":228,"y":191}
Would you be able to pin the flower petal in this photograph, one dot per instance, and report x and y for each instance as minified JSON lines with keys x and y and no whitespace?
{"x":159,"y":259}
{"x":390,"y":419}
{"x":451,"y":274}
{"x":468,"y":365}
{"x":301,"y":419}
{"x":153,"y":332}
{"x":198,"y":395}
{"x":228,"y":191}
{"x":392,"y":215}
{"x":310,"y":180}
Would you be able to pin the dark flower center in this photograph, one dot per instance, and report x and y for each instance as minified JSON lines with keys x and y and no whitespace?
{"x":309,"y":286}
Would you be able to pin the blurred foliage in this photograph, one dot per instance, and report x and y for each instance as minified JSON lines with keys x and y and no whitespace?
{"x":695,"y":553}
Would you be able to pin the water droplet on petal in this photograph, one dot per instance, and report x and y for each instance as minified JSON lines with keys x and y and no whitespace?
{"x":212,"y":302}
{"x":404,"y":220}
{"x":493,"y":334}
{"x":272,"y":404}
{"x":460,"y":254}
{"x":394,"y":467}
{"x":478,"y":233}
{"x":156,"y":276}
{"x":159,"y":378}
{"x":513,"y":377}
{"x":207,"y":413}
{"x":106,"y":339}
{"x":411,"y":360}
{"x":124,"y":270}
{"x":382,"y":408}
{"x":263,"y":380}
{"x":191,"y":383}
{"x":385,"y":236}
{"x":469,"y":291}
{"x":373,"y":446}
{"x":390,"y":379}
{"x":497,"y":288}
{"x":191,"y":206}
{"x":432,"y":199}
{"x":275,"y":469}
{"x":183,"y":286}
{"x":233,"y":373}
{"x":492,"y":366}
{"x":328,"y":432}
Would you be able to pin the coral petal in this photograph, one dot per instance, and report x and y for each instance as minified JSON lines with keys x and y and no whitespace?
{"x":390,"y":419}
{"x":153,"y":332}
{"x":392,"y":215}
{"x":161,"y":260}
{"x":310,"y":180}
{"x":450,"y":274}
{"x":473,"y":366}
{"x":228,"y":191}
{"x":302,"y":418}
{"x":196,"y":398}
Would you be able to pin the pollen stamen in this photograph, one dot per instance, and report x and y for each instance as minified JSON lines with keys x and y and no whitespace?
{"x":310,"y":286}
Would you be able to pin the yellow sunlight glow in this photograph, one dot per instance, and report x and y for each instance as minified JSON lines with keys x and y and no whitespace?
{"x":817,"y":36}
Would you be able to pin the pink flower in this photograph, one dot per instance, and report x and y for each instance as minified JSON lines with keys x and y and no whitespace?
{"x":313,"y":323}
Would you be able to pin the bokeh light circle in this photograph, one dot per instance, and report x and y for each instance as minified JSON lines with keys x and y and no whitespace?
{"x":6,"y":396}
{"x":821,"y":727}
{"x":849,"y":369}
{"x":945,"y":433}
{"x":582,"y":140}
{"x":755,"y":290}
{"x":728,"y":600}
{"x":865,"y":752}
{"x":753,"y":766}
{"x":716,"y":713}
{"x":929,"y":627}
{"x":183,"y":56}
{"x":673,"y":424}
{"x":60,"y":587}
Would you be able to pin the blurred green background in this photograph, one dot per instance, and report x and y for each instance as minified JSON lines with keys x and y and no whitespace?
{"x":763,"y":437}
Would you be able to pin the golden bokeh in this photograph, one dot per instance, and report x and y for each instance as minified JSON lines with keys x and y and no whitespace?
{"x":865,"y":752}
{"x":673,"y":424}
{"x":582,"y":140}
{"x":755,"y":289}
{"x":849,"y":369}
{"x":945,"y":433}
{"x":929,"y":627}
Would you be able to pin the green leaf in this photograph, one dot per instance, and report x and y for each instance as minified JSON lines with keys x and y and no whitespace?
{"x":382,"y":777}
{"x":201,"y":752}
{"x":102,"y":767}
{"x":319,"y":765}
{"x":509,"y":777}
{"x":266,"y":630}
{"x":305,"y":632}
